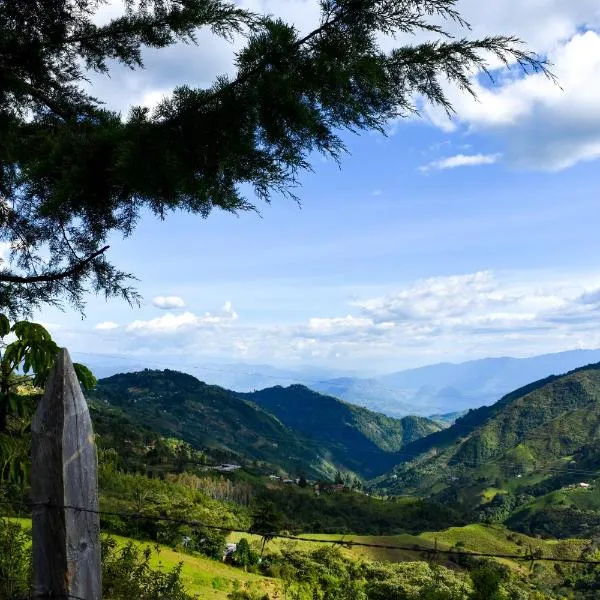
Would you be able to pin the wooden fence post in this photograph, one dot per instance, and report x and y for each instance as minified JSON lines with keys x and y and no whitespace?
{"x":66,"y":543}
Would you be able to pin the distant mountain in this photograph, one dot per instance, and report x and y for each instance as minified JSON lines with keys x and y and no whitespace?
{"x":250,"y":427}
{"x":535,"y":441}
{"x":369,"y":393}
{"x":449,"y":387}
{"x":350,"y":434}
{"x":448,"y":419}
{"x":240,"y":377}
{"x":435,"y":389}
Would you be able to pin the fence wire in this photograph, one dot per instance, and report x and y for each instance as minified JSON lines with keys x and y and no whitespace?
{"x":532,"y":556}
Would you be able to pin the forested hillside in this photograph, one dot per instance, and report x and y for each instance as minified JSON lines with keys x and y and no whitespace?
{"x":350,"y":434}
{"x":209,"y":418}
{"x":505,"y":461}
{"x":290,"y":429}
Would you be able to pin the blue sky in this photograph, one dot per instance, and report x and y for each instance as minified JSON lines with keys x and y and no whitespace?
{"x":443,"y":241}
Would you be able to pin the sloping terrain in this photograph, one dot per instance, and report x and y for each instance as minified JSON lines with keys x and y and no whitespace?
{"x":294,"y":428}
{"x":348,"y":433}
{"x":502,"y":459}
{"x":209,"y":417}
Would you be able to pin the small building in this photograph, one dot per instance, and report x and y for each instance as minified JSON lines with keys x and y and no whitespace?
{"x":227,"y":468}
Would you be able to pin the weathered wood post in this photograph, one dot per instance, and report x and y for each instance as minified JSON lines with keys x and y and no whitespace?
{"x":66,"y":544}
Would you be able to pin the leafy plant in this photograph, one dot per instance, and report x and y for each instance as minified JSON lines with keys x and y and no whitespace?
{"x":15,"y":561}
{"x":32,"y":351}
{"x":126,"y":574}
{"x":25,"y":363}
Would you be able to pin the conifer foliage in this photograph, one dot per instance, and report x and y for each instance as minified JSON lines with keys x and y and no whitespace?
{"x":72,"y":171}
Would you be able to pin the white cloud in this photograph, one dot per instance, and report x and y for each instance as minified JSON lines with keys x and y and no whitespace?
{"x":541,"y":125}
{"x":348,"y":327}
{"x":461,"y":160}
{"x":456,"y":311}
{"x":434,"y":297}
{"x":168,"y":302}
{"x":437,"y":319}
{"x":106,"y":326}
{"x":339,"y":323}
{"x":170,"y":324}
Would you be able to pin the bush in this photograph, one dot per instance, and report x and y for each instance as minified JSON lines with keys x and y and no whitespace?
{"x":15,"y":561}
{"x":244,"y":556}
{"x":246,"y":595}
{"x":126,"y":575}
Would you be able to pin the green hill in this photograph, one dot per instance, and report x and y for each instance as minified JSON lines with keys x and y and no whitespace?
{"x":209,"y":418}
{"x":503,"y":460}
{"x":350,"y":434}
{"x":317,"y":437}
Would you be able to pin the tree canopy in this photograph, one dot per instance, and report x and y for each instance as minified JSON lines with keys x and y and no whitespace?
{"x":73,"y":172}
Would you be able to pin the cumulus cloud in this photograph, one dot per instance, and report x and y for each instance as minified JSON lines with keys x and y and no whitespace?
{"x":479,"y":311}
{"x":438,"y":297}
{"x":339,"y":323}
{"x":106,"y":326}
{"x":350,"y":326}
{"x":168,"y":302}
{"x":541,"y":126}
{"x":441,"y":318}
{"x":170,"y":323}
{"x":461,"y":160}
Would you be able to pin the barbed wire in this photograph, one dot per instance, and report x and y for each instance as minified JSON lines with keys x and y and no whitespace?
{"x":532,"y":556}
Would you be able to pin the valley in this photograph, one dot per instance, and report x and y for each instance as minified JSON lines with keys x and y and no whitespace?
{"x":400,"y":500}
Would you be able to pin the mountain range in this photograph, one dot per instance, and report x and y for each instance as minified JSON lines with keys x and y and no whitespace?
{"x":435,"y":389}
{"x":353,"y":435}
{"x":531,"y":459}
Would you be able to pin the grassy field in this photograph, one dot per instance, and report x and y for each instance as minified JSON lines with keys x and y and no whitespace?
{"x":208,"y":578}
{"x":493,"y":539}
{"x":202,"y":576}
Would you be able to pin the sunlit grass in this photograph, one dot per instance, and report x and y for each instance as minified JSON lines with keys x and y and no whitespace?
{"x":200,"y":575}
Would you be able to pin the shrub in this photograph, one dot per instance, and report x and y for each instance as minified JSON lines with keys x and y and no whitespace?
{"x":15,"y":561}
{"x":126,"y":574}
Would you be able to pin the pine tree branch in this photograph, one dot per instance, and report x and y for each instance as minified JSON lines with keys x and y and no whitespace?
{"x":42,"y":97}
{"x":53,"y":276}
